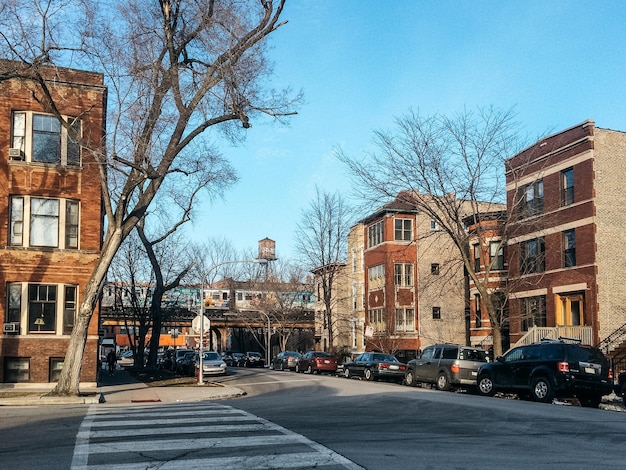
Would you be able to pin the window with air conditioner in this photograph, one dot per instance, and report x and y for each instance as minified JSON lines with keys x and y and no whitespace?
{"x":41,"y":138}
{"x":43,"y":222}
{"x":43,"y":308}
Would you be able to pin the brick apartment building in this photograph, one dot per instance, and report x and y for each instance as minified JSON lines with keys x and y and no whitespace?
{"x":50,"y":214}
{"x":412,"y":292}
{"x":567,"y":262}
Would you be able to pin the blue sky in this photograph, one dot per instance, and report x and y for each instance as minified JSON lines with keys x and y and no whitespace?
{"x":362,"y":63}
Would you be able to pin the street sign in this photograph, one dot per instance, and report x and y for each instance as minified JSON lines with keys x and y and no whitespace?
{"x":195,"y":324}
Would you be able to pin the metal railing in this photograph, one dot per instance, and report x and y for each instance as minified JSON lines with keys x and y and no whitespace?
{"x":582,"y":333}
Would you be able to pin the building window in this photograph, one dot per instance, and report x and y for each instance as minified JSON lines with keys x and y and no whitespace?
{"x":496,"y":255}
{"x":40,"y":305}
{"x":530,"y":199}
{"x":533,"y":312}
{"x":14,"y":300}
{"x":56,"y":364}
{"x":41,"y":138}
{"x":405,"y":319}
{"x":436,"y":313}
{"x":478,"y":318}
{"x":69,"y":309}
{"x":403,"y":230}
{"x":16,"y":369}
{"x":403,"y":274}
{"x":532,"y":256}
{"x":354,"y":261}
{"x":567,"y":187}
{"x":434,"y":268}
{"x":44,"y":222}
{"x":376,"y":272}
{"x":476,"y":258}
{"x":41,"y":308}
{"x":569,"y":248}
{"x":433,"y":224}
{"x":376,"y":234}
{"x":377,"y":320}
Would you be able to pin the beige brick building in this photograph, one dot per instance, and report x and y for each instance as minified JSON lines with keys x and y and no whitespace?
{"x":50,"y":214}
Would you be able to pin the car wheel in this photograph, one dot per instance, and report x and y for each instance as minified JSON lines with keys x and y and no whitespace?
{"x":296,"y":369}
{"x":485,"y":386}
{"x":309,"y":369}
{"x":368,"y":374}
{"x":281,"y":366}
{"x":271,"y":366}
{"x":443,"y":382}
{"x":409,"y":379}
{"x":590,"y":401}
{"x":346,"y":373}
{"x":542,"y":390}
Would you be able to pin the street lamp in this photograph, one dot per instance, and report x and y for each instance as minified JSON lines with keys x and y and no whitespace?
{"x":202,"y":317}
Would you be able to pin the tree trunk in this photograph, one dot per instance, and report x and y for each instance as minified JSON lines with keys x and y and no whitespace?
{"x":69,"y":379}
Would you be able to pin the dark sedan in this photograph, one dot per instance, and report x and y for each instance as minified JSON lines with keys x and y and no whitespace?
{"x":254,"y":359}
{"x":374,"y":366}
{"x":316,"y":361}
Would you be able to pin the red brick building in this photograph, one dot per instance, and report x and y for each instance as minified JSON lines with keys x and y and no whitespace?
{"x":567,"y":263}
{"x":50,"y":219}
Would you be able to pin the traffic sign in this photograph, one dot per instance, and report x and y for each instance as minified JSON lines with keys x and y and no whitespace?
{"x":195,"y":324}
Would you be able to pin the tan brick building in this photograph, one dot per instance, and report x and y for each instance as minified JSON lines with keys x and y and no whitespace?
{"x":567,"y":263}
{"x":50,"y":219}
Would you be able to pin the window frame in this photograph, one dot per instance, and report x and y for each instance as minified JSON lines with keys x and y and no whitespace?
{"x":33,"y":225}
{"x":568,"y":240}
{"x":436,"y":311}
{"x":376,"y":233}
{"x":403,"y":229}
{"x":532,"y":256}
{"x":26,"y":132}
{"x":55,"y":303}
{"x":403,"y":274}
{"x":531,"y":199}
{"x":567,"y":187}
{"x":405,"y":320}
{"x":496,"y":257}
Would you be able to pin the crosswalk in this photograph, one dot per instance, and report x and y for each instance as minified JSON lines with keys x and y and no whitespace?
{"x":193,"y":436}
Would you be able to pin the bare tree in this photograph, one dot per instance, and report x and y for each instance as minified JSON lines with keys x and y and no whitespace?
{"x":174,"y":69}
{"x":321,"y":240}
{"x":449,"y":168}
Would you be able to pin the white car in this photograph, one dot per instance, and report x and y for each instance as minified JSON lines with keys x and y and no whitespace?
{"x":212,"y":363}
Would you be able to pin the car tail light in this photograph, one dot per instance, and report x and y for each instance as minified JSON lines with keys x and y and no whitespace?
{"x":402,"y":367}
{"x":383,"y":366}
{"x":563,"y":366}
{"x":455,"y":368}
{"x":610,"y":373}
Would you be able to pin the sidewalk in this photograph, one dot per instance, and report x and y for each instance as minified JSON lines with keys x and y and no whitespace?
{"x":122,"y":387}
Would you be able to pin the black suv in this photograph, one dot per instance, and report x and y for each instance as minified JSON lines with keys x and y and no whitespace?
{"x":446,"y":365}
{"x":549,"y":369}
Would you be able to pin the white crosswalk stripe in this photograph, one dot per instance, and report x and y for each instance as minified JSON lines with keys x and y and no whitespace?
{"x":193,"y":436}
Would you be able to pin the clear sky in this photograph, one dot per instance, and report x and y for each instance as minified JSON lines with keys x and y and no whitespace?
{"x":362,"y":63}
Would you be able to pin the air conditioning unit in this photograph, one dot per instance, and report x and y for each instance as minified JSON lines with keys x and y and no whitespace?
{"x":16,"y":154}
{"x":11,"y":327}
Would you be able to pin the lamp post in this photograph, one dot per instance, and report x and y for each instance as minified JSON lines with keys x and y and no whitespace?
{"x":202,"y":317}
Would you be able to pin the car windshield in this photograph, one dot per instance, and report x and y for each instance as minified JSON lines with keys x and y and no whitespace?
{"x":210,"y":356}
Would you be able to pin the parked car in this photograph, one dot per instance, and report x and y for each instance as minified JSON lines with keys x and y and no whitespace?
{"x":239,"y":359}
{"x":254,"y":359}
{"x":446,"y":365}
{"x":186,"y":365}
{"x":316,"y":361}
{"x":178,"y":355}
{"x":285,"y":360}
{"x":549,"y":369}
{"x":620,"y":386}
{"x":212,"y":363}
{"x":374,"y":366}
